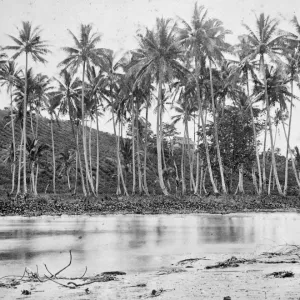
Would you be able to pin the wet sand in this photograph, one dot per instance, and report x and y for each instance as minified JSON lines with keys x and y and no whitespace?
{"x":180,"y":281}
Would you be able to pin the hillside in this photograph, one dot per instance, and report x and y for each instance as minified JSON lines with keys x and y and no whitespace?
{"x":64,"y":138}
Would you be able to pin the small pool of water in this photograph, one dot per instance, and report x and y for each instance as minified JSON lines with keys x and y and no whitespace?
{"x":136,"y":243}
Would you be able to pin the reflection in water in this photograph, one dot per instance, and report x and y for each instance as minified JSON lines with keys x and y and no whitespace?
{"x":136,"y":242}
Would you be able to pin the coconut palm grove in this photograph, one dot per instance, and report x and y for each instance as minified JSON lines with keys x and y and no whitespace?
{"x":231,"y":102}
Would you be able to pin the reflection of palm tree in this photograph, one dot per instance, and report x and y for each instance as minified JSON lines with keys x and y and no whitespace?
{"x":30,"y":43}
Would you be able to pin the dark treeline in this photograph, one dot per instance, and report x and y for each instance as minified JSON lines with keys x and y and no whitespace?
{"x":234,"y":97}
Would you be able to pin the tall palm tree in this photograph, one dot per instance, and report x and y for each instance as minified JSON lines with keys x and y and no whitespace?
{"x":266,"y":41}
{"x":85,"y":53}
{"x":159,"y":54}
{"x":9,"y":73}
{"x":292,"y":69}
{"x":95,"y":82}
{"x":243,"y":68}
{"x":113,"y":68}
{"x":185,"y":109}
{"x":200,"y":40}
{"x":29,"y":42}
{"x":67,"y":94}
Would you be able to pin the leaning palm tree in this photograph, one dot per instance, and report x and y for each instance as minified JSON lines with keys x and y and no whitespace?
{"x":85,"y":53}
{"x":159,"y":54}
{"x":8,"y":75}
{"x":267,"y":42}
{"x":29,"y":42}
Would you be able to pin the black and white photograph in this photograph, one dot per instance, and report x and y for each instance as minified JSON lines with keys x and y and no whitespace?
{"x":150,"y":149}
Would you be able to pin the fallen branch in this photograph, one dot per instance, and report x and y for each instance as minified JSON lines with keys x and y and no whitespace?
{"x":65,"y":266}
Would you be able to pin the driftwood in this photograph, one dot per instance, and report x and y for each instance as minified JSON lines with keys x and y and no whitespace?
{"x":281,"y":274}
{"x":29,"y":275}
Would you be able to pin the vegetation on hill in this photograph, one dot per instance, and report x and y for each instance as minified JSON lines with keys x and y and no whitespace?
{"x":233,"y":105}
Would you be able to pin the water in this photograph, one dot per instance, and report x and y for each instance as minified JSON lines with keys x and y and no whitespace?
{"x":136,"y":243}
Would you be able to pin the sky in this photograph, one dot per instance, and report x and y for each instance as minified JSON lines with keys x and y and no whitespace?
{"x":119,"y":20}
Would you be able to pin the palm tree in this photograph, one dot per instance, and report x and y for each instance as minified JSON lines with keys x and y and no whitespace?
{"x":244,"y":67}
{"x":85,"y":53}
{"x":8,"y":75}
{"x":35,"y":151}
{"x":184,"y":110}
{"x":67,"y":159}
{"x":213,"y":51}
{"x":159,"y":54}
{"x":95,"y":82}
{"x":292,"y":66}
{"x":30,"y":43}
{"x":67,"y":96}
{"x":198,"y":41}
{"x":267,"y":42}
{"x":113,"y":69}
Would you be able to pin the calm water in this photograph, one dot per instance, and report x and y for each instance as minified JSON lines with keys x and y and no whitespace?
{"x":136,"y":243}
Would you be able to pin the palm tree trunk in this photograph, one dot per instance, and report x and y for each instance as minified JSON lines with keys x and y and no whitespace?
{"x":13,"y":142}
{"x":76,"y":174}
{"x":183,"y":168}
{"x":288,"y":142}
{"x":80,"y":166}
{"x":89,"y":179}
{"x":133,"y":146}
{"x":292,"y":157}
{"x":120,"y":165}
{"x":255,"y":140}
{"x":24,"y":127}
{"x":271,"y":168}
{"x":241,"y":179}
{"x":201,"y":178}
{"x":270,"y":129}
{"x":254,"y":180}
{"x":204,"y":129}
{"x":97,"y":149}
{"x":204,"y":179}
{"x":36,"y":179}
{"x":198,"y":159}
{"x":216,"y":130}
{"x":20,"y":163}
{"x":264,"y":157}
{"x":138,"y":154}
{"x":159,"y":136}
{"x":192,"y":182}
{"x":53,"y":158}
{"x":68,"y":179}
{"x":145,"y":153}
{"x":90,"y":149}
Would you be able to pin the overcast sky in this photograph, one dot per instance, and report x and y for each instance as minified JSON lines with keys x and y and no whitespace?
{"x":118,"y":21}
